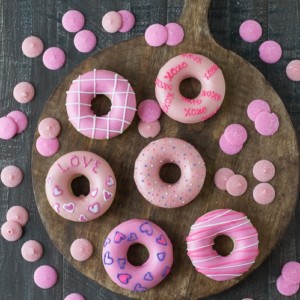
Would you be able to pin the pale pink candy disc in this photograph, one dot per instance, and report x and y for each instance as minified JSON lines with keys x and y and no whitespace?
{"x":24,"y":92}
{"x":73,"y":21}
{"x":11,"y":176}
{"x":156,"y":35}
{"x":54,"y":58}
{"x":8,"y":128}
{"x":81,"y":249}
{"x":291,"y":272}
{"x":285,"y":288}
{"x":49,"y":128}
{"x":264,"y":193}
{"x":250,"y":31}
{"x":85,"y":41}
{"x":263,"y":170}
{"x":17,"y":214}
{"x":235,"y":134}
{"x":11,"y":231}
{"x":74,"y":296}
{"x":47,"y":147}
{"x":32,"y":250}
{"x":228,"y":148}
{"x":149,"y":130}
{"x":20,"y":119}
{"x":270,"y":52}
{"x":45,"y":277}
{"x":175,"y":34}
{"x":112,"y":22}
{"x":32,"y":46}
{"x":128,"y":20}
{"x":266,"y":123}
{"x":236,"y":185}
{"x":257,"y":106}
{"x":293,"y":70}
{"x":149,"y":111}
{"x":221,"y":177}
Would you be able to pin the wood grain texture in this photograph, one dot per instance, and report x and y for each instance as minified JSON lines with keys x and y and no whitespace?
{"x":21,"y":18}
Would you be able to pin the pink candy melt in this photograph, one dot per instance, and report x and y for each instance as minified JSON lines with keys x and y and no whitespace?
{"x":221,"y":177}
{"x":54,"y":58}
{"x":128,"y":20}
{"x":228,"y":148}
{"x":32,"y":251}
{"x":291,"y":272}
{"x":81,"y":249}
{"x":73,"y":20}
{"x":250,"y":31}
{"x":263,"y":170}
{"x":149,"y":130}
{"x":293,"y":70}
{"x":8,"y":128}
{"x":270,"y":52}
{"x":47,"y":147}
{"x":149,"y":111}
{"x":32,"y":46}
{"x":236,"y":185}
{"x":264,"y":193}
{"x":286,"y":288}
{"x":24,"y":92}
{"x":11,"y":176}
{"x":175,"y":34}
{"x":266,"y":123}
{"x":257,"y":106}
{"x":20,"y":119}
{"x":85,"y":41}
{"x":74,"y":296}
{"x":112,"y":21}
{"x":11,"y":231}
{"x":45,"y":277}
{"x":17,"y":214}
{"x":156,"y":35}
{"x":49,"y":128}
{"x":235,"y":134}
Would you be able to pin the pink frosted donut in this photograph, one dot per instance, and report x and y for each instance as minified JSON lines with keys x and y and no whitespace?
{"x":159,"y":153}
{"x":102,"y":186}
{"x":178,"y":107}
{"x":86,"y":88}
{"x":149,"y":274}
{"x":201,"y":239}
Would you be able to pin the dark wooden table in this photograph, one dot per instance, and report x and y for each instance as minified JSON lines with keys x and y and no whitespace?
{"x":20,"y":18}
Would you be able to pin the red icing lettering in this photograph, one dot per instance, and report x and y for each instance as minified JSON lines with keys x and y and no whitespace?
{"x":86,"y":164}
{"x":196,"y":58}
{"x":189,"y":112}
{"x":191,"y":101}
{"x":163,"y":85}
{"x":174,"y":71}
{"x":168,"y":101}
{"x":62,"y":169}
{"x":211,"y":71}
{"x":96,"y":166}
{"x":212,"y":95}
{"x":75,"y":161}
{"x":203,"y":118}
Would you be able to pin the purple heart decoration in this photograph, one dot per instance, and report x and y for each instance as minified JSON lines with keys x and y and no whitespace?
{"x":166,"y":271}
{"x":132,"y":237}
{"x":161,"y":256}
{"x":139,"y":288}
{"x":119,"y":237}
{"x":124,"y":277}
{"x":161,"y":240}
{"x":107,"y":259}
{"x":148,"y":276}
{"x":122,"y":263}
{"x":146,"y":228}
{"x":106,"y":242}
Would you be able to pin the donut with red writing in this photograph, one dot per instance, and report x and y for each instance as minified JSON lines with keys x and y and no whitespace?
{"x":205,"y":104}
{"x":102,"y":187}
{"x":149,"y":274}
{"x":79,"y":104}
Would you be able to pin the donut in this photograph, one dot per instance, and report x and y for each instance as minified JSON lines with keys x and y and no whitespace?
{"x":102,"y":186}
{"x":159,"y":153}
{"x":227,"y":222}
{"x":204,"y":105}
{"x":149,"y":274}
{"x":101,"y":82}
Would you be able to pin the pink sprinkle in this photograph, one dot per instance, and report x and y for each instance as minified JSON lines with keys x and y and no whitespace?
{"x":257,"y":106}
{"x":112,"y":22}
{"x":264,"y":193}
{"x":85,"y":41}
{"x":250,"y":31}
{"x":175,"y":34}
{"x":24,"y":92}
{"x":149,"y":130}
{"x":270,"y":52}
{"x":32,"y":46}
{"x":236,"y":185}
{"x":45,"y":277}
{"x":235,"y":134}
{"x":221,"y":177}
{"x":17,"y":214}
{"x":228,"y":148}
{"x":54,"y":58}
{"x":128,"y":20}
{"x":49,"y":128}
{"x":11,"y":231}
{"x":74,"y":296}
{"x":81,"y":249}
{"x":47,"y":147}
{"x":20,"y":119}
{"x":149,"y":111}
{"x":8,"y":128}
{"x":293,"y":70}
{"x":156,"y":35}
{"x":285,"y":288}
{"x":266,"y":123}
{"x":73,"y":21}
{"x":11,"y":176}
{"x":263,"y":170}
{"x":291,"y":272}
{"x":32,"y":251}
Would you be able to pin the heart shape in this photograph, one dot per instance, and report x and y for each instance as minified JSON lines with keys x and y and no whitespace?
{"x":57,"y":191}
{"x":49,"y":180}
{"x":166,"y":271}
{"x":94,"y":208}
{"x":146,"y":228}
{"x":148,"y":276}
{"x":69,"y":207}
{"x":107,"y":195}
{"x":106,"y":242}
{"x":161,"y":256}
{"x":110,"y":181}
{"x":139,"y":288}
{"x":119,"y":237}
{"x":122,"y":263}
{"x":107,"y":259}
{"x":94,"y":192}
{"x":124,"y":277}
{"x":83,"y":218}
{"x":161,"y":240}
{"x":132,"y":237}
{"x":56,"y":207}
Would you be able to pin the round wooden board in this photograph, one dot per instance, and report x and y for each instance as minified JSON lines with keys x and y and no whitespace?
{"x":140,"y":64}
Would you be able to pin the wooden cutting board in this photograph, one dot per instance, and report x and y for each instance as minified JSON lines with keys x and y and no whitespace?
{"x":139,"y":63}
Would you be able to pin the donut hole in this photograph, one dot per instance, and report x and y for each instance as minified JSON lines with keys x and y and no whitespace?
{"x":170,"y":173}
{"x":223,"y":244}
{"x":190,"y":88}
{"x":80,"y":186}
{"x":137,"y":254}
{"x":101,"y":105}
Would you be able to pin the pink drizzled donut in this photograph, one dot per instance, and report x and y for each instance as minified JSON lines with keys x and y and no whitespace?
{"x":159,"y":153}
{"x":149,"y":274}
{"x":81,"y":94}
{"x":201,"y":239}
{"x":178,"y":107}
{"x":102,"y":186}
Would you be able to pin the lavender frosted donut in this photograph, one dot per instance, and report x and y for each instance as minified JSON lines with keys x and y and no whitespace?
{"x":102,"y":186}
{"x":159,"y":153}
{"x":86,"y":88}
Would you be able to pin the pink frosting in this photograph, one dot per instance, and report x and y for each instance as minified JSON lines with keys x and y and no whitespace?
{"x":73,"y":20}
{"x":159,"y":153}
{"x":49,"y":128}
{"x":17,"y":214}
{"x":149,"y":111}
{"x":222,"y":222}
{"x":24,"y":92}
{"x":112,"y":21}
{"x":85,"y":41}
{"x":32,"y":251}
{"x":204,"y":105}
{"x":221,"y":177}
{"x":102,"y":186}
{"x":45,"y":277}
{"x":149,"y":130}
{"x":32,"y":46}
{"x":8,"y":128}
{"x":81,"y":249}
{"x":156,"y":35}
{"x":128,"y":20}
{"x":149,"y":274}
{"x":47,"y":147}
{"x":11,"y":176}
{"x":11,"y":231}
{"x":101,"y":82}
{"x":20,"y":119}
{"x":175,"y":34}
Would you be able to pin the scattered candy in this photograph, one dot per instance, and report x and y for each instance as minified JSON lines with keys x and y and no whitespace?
{"x":20,"y":119}
{"x":235,"y":134}
{"x":112,"y":22}
{"x":156,"y":35}
{"x":73,"y":21}
{"x":264,"y":193}
{"x":257,"y":106}
{"x":11,"y":176}
{"x":32,"y":251}
{"x":32,"y":46}
{"x":236,"y":185}
{"x":81,"y":249}
{"x":291,"y":272}
{"x":149,"y":130}
{"x":263,"y":170}
{"x":54,"y":58}
{"x":11,"y":231}
{"x":250,"y":31}
{"x":47,"y":147}
{"x":8,"y":128}
{"x":228,"y":148}
{"x":128,"y":20}
{"x":285,"y":288}
{"x":270,"y":52}
{"x":45,"y":277}
{"x":49,"y":128}
{"x":266,"y":123}
{"x":293,"y":70}
{"x":221,"y":177}
{"x":24,"y":92}
{"x":149,"y":111}
{"x":17,"y":214}
{"x":175,"y":34}
{"x":85,"y":41}
{"x":74,"y":296}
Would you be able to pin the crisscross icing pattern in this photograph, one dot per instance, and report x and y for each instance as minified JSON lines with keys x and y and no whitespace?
{"x":79,"y":104}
